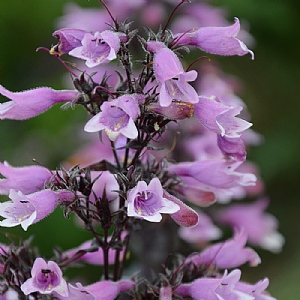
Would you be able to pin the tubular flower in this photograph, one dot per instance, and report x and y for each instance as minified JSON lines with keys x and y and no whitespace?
{"x":217,"y":173}
{"x":46,"y":278}
{"x":259,"y":225}
{"x":147,"y":201}
{"x":27,"y":179}
{"x":217,"y":40}
{"x":25,"y":210}
{"x":220,"y":118}
{"x":30,"y":103}
{"x":102,"y":290}
{"x":220,"y":288}
{"x":229,"y":254}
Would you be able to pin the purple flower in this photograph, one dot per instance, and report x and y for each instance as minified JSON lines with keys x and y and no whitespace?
{"x":260,"y":226}
{"x":45,"y":278}
{"x":220,"y":118}
{"x":30,"y":103}
{"x":218,"y":173}
{"x":25,"y":210}
{"x":232,"y":147}
{"x":229,"y":254}
{"x":255,"y":290}
{"x":98,"y":48}
{"x":116,"y":117}
{"x":220,"y":288}
{"x":27,"y":179}
{"x":102,"y":290}
{"x":147,"y":201}
{"x":68,"y":39}
{"x":217,"y":40}
{"x":173,"y":81}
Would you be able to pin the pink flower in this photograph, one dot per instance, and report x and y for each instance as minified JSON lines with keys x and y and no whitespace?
{"x":98,"y":48}
{"x":68,"y":39}
{"x":229,"y":254}
{"x":46,"y":278}
{"x":30,"y":103}
{"x":232,"y":147}
{"x":259,"y":225}
{"x":217,"y":40}
{"x":147,"y":201}
{"x":255,"y":290}
{"x":173,"y":81}
{"x":220,"y":118}
{"x":102,"y":290}
{"x":218,"y":173}
{"x":25,"y":210}
{"x":27,"y":179}
{"x":220,"y":288}
{"x":116,"y":117}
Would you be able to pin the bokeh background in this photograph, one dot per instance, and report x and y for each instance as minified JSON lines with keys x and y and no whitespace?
{"x":271,"y":91}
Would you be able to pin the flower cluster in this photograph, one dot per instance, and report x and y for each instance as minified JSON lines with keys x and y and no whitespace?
{"x":141,"y":187}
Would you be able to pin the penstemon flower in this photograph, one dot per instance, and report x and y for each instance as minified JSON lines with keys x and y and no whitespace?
{"x":217,"y":40}
{"x":147,"y":201}
{"x":169,"y":73}
{"x":30,"y":103}
{"x":28,"y":209}
{"x":98,"y":48}
{"x":46,"y":278}
{"x":139,"y":168}
{"x":117,"y":117}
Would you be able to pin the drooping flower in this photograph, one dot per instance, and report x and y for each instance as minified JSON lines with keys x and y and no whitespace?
{"x":147,"y":201}
{"x":46,"y":278}
{"x":27,"y":179}
{"x":229,"y":254}
{"x":25,"y":210}
{"x":116,"y":117}
{"x":217,"y":40}
{"x":260,"y":226}
{"x":30,"y":103}
{"x":98,"y":48}
{"x":220,"y":118}
{"x":169,"y":73}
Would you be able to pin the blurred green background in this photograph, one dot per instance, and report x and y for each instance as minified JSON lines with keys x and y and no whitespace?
{"x":271,"y":91}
